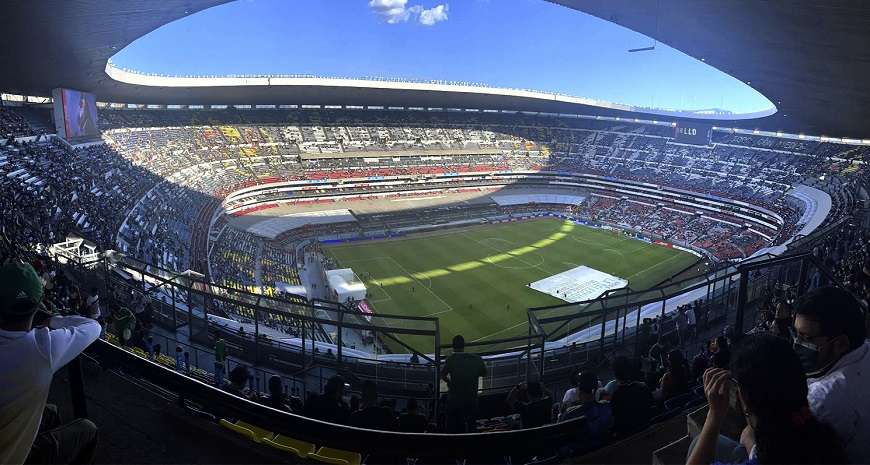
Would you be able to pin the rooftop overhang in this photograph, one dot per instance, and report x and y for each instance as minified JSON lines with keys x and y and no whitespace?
{"x":312,"y":90}
{"x":810,"y":60}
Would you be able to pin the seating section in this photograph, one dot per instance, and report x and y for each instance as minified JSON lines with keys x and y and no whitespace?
{"x":851,"y":252}
{"x":215,"y":159}
{"x":302,"y":449}
{"x":238,"y":429}
{"x":155,"y":188}
{"x":259,"y":434}
{"x":336,"y":456}
{"x":85,"y":191}
{"x":24,"y":122}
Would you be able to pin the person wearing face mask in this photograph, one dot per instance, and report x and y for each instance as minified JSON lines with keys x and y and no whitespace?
{"x":831,"y":342}
{"x":771,"y":392}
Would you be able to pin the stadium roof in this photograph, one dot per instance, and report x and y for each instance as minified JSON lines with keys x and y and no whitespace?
{"x":809,"y":58}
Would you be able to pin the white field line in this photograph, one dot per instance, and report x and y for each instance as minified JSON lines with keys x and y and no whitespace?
{"x":421,"y":283}
{"x":438,"y":313}
{"x":652,"y":266}
{"x":389,"y":297}
{"x":377,"y":301}
{"x":530,"y":265}
{"x":404,"y":270}
{"x":500,"y":331}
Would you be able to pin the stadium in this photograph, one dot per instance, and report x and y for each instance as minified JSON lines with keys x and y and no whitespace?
{"x":262,"y":252}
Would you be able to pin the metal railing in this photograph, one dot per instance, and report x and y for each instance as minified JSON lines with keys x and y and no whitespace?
{"x":738,"y":288}
{"x":436,"y":446}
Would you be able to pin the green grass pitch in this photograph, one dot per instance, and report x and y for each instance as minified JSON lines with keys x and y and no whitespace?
{"x":474,"y":280}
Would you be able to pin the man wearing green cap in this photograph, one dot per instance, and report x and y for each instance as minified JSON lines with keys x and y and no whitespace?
{"x":29,"y":357}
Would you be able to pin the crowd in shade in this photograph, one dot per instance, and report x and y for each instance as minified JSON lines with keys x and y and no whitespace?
{"x":12,"y":125}
{"x":18,"y":122}
{"x":58,"y":191}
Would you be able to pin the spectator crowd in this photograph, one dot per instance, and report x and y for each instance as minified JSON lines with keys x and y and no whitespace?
{"x":798,"y":379}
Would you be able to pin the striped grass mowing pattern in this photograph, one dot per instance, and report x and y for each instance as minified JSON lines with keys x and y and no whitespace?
{"x":474,"y":280}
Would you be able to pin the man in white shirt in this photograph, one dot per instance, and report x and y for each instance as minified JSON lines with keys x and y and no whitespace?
{"x":29,"y":357}
{"x":571,"y":395}
{"x":831,"y":341}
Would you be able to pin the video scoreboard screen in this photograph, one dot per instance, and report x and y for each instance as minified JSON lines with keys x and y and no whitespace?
{"x":75,"y":114}
{"x":687,"y":132}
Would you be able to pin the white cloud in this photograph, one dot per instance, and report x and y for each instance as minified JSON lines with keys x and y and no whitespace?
{"x":434,"y":15}
{"x":398,"y":11}
{"x":393,"y":11}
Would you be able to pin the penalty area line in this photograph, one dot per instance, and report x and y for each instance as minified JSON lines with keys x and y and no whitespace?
{"x":500,"y":331}
{"x":429,"y":290}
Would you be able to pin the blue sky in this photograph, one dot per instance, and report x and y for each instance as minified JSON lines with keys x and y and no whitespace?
{"x":513,"y":43}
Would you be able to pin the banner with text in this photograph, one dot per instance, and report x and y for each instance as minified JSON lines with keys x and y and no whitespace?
{"x":695,"y":133}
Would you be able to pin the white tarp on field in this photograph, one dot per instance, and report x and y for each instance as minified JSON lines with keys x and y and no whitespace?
{"x":578,"y":284}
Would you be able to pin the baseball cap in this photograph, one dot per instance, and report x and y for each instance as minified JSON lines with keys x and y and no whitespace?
{"x":20,"y":289}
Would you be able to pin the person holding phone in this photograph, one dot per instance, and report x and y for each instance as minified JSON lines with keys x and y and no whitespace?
{"x":771,"y":392}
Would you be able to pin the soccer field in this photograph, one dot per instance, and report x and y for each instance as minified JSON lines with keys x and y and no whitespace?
{"x":475,"y":280}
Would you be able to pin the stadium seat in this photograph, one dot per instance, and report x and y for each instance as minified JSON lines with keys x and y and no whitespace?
{"x":336,"y":456}
{"x":259,"y":433}
{"x":301,"y":448}
{"x":238,"y":429}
